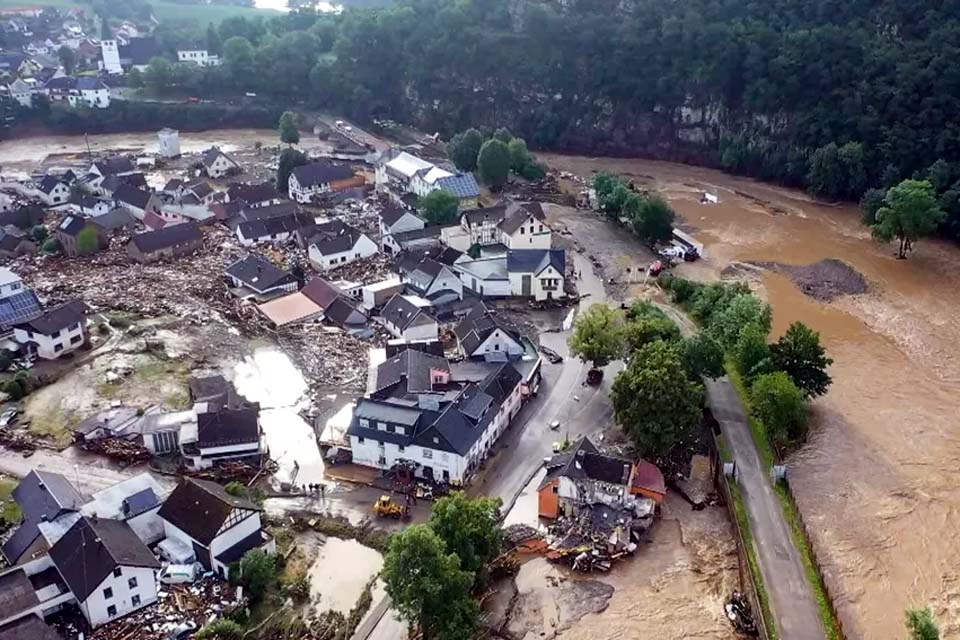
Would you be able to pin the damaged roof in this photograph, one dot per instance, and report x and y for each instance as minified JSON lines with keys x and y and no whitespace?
{"x":259,"y":274}
{"x":167,"y":237}
{"x":228,"y":426}
{"x":478,"y":325}
{"x":583,"y":461}
{"x":316,"y":173}
{"x":200,"y":507}
{"x":402,"y":313}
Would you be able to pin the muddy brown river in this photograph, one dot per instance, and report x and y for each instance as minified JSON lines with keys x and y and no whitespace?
{"x":878,"y":483}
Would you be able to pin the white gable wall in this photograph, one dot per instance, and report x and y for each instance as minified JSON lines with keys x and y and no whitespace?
{"x":95,"y":607}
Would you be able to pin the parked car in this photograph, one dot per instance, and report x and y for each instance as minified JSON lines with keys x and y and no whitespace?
{"x":178,"y":573}
{"x":552,"y":356}
{"x":182,"y":631}
{"x":7,"y":417}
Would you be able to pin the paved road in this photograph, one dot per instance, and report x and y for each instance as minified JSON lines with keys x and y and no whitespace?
{"x":791,"y":594}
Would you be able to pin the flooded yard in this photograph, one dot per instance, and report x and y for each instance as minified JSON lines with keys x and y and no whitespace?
{"x":339,"y":574}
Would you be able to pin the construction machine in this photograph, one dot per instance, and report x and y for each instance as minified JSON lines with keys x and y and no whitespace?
{"x":385,"y":507}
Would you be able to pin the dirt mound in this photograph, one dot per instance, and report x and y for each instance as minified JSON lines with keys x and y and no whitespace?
{"x":825,"y":280}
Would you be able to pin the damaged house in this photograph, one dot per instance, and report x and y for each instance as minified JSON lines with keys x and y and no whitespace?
{"x":335,"y":244}
{"x":254,"y":276}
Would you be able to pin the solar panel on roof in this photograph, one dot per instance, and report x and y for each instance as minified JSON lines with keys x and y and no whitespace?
{"x":140,"y":502}
{"x":19,"y":307}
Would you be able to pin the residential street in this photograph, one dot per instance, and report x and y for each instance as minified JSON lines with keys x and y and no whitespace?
{"x":791,"y":595}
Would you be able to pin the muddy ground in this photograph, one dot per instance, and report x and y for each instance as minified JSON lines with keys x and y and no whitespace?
{"x":877,"y":482}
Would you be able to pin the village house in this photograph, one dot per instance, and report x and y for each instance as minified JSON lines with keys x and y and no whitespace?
{"x":135,"y":501}
{"x":52,"y":191}
{"x":43,"y":496}
{"x":395,"y":219}
{"x":537,"y":273}
{"x":71,"y":227}
{"x":198,"y":55}
{"x":310,"y":180}
{"x":56,"y":332}
{"x":399,"y":173}
{"x":108,"y":569}
{"x":430,"y":279}
{"x":117,"y":221}
{"x":222,"y":434}
{"x":217,"y":164}
{"x":17,"y":303}
{"x":204,"y":523}
{"x":583,"y":477}
{"x":337,"y":307}
{"x":116,"y":166}
{"x":406,"y":320}
{"x":255,"y":276}
{"x":198,"y":193}
{"x":137,"y":201}
{"x":422,"y":417}
{"x":270,"y":229}
{"x":15,"y":242}
{"x":335,"y":244}
{"x":524,"y":227}
{"x":79,"y":91}
{"x":253,"y":195}
{"x":486,"y":276}
{"x":483,"y":335}
{"x":22,"y":91}
{"x":412,"y":240}
{"x":91,"y":205}
{"x":169,"y":242}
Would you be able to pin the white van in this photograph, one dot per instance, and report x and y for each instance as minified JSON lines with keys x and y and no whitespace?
{"x":178,"y":573}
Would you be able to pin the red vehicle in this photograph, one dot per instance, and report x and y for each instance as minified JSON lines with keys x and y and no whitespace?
{"x":192,"y":100}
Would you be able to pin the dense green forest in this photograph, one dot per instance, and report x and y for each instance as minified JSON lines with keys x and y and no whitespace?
{"x":836,"y":96}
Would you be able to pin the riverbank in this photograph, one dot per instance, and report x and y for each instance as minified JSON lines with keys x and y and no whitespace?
{"x":876,"y":482}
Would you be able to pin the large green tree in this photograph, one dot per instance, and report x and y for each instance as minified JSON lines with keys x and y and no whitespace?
{"x":751,"y":351}
{"x":651,"y":218}
{"x":655,"y":401}
{"x":733,"y":314}
{"x":238,"y":61}
{"x":779,"y":405}
{"x":470,"y":528}
{"x":702,"y":356}
{"x":258,"y":571}
{"x":427,"y":585}
{"x":598,"y":335}
{"x":493,"y":163}
{"x":289,"y":133}
{"x":464,"y":148}
{"x":910,"y":211}
{"x":438,"y":207}
{"x":87,"y":240}
{"x":799,"y":354}
{"x":289,"y":160}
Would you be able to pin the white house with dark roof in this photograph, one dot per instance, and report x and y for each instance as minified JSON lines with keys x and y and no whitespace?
{"x":58,"y":331}
{"x":255,"y":276}
{"x":136,"y":501}
{"x":525,"y":227}
{"x":406,"y":320}
{"x":398,"y":172}
{"x":220,"y":434}
{"x":43,"y":496}
{"x":537,"y":273}
{"x":483,"y":335}
{"x":335,"y":244}
{"x":280,"y":228}
{"x":53,"y":191}
{"x":432,"y":280}
{"x":217,"y":164}
{"x":310,"y":180}
{"x":204,"y":523}
{"x":253,"y":195}
{"x":198,"y":55}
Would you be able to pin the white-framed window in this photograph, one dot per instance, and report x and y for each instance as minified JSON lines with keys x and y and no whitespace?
{"x":428,"y":453}
{"x":364,"y":423}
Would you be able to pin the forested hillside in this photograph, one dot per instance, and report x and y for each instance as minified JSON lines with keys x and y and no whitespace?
{"x":757,"y":87}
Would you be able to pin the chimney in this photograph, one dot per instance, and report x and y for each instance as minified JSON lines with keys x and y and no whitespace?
{"x":626,"y":474}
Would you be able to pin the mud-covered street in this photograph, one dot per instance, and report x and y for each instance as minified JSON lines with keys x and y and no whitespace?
{"x":877,"y":482}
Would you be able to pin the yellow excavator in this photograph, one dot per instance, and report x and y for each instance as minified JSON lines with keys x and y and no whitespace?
{"x":386,"y":507}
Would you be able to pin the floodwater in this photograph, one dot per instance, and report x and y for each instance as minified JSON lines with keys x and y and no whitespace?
{"x":878,"y":482}
{"x":269,"y":377}
{"x":526,"y":508}
{"x":339,"y":574}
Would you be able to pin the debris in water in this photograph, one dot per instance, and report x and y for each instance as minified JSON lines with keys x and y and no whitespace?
{"x":825,"y":280}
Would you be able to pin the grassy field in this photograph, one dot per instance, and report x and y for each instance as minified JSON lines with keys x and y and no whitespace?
{"x":9,"y":510}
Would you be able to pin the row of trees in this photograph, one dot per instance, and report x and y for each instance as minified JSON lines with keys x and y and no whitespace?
{"x":494,"y":155}
{"x":432,"y":570}
{"x":646,"y":214}
{"x":781,"y":376}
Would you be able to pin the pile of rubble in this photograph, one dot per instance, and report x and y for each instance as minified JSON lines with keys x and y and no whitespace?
{"x":126,"y":451}
{"x":17,"y":440}
{"x":547,"y":189}
{"x":327,"y":356}
{"x":179,"y":607}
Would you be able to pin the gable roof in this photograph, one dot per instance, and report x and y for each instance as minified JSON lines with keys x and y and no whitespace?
{"x":24,"y":216}
{"x":321,"y":292}
{"x":60,"y":317}
{"x":176,"y":234}
{"x":115,"y":219}
{"x":535,"y":260}
{"x":489,"y":214}
{"x":585,"y":462}
{"x":114,"y":165}
{"x":200,"y":507}
{"x":344,"y":313}
{"x":317,"y":173}
{"x":49,"y":183}
{"x":228,"y":426}
{"x":42,"y":495}
{"x":412,"y":366}
{"x":255,"y":229}
{"x":28,"y":628}
{"x":252,"y":193}
{"x":259,"y":273}
{"x":402,"y":313}
{"x":478,"y":325}
{"x":131,"y":195}
{"x":72,"y":225}
{"x":19,"y":307}
{"x":210,"y":156}
{"x":139,"y":51}
{"x":391,"y":215}
{"x":92,"y":548}
{"x":334,"y":237}
{"x":201,"y":189}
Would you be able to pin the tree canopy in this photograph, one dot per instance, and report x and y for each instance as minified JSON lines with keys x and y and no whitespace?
{"x":493,"y":163}
{"x":799,"y":354}
{"x":68,"y":59}
{"x":427,"y":585}
{"x":289,"y":160}
{"x":778,"y":404}
{"x":598,"y":335}
{"x":87,"y":240}
{"x":910,"y":211}
{"x":469,"y":528}
{"x":258,"y":570}
{"x":464,"y":148}
{"x":289,"y":133}
{"x":438,"y":207}
{"x":655,"y":401}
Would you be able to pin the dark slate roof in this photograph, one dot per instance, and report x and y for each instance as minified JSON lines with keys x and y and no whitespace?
{"x":72,"y":225}
{"x":16,"y":594}
{"x":139,"y":50}
{"x":167,"y":237}
{"x":270,"y":226}
{"x":115,"y":165}
{"x":24,"y":217}
{"x":583,"y":461}
{"x":252,"y":193}
{"x":113,"y":220}
{"x":490,"y":214}
{"x":199,"y":508}
{"x":462,"y":185}
{"x":501,"y":383}
{"x":174,"y":184}
{"x":278,"y":210}
{"x":259,"y":273}
{"x":210,"y":156}
{"x":49,"y":183}
{"x":57,"y":318}
{"x":131,"y":195}
{"x":28,"y":628}
{"x":391,"y":215}
{"x":88,"y":83}
{"x":402,"y":313}
{"x":455,"y":430}
{"x":514,"y":220}
{"x":19,"y":307}
{"x":93,"y":548}
{"x":321,"y":292}
{"x":412,"y":235}
{"x":201,"y":189}
{"x":344,"y":313}
{"x":412,"y":367}
{"x":317,"y":173}
{"x":228,"y":426}
{"x":535,"y":260}
{"x":387,"y":412}
{"x":477,"y":326}
{"x":334,"y":237}
{"x":140,"y":502}
{"x":11,"y":242}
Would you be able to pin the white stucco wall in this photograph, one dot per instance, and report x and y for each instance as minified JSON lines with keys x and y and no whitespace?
{"x":96,"y":605}
{"x":368,"y":453}
{"x":364,"y":248}
{"x":537,"y":290}
{"x":498,"y":342}
{"x":47,"y":345}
